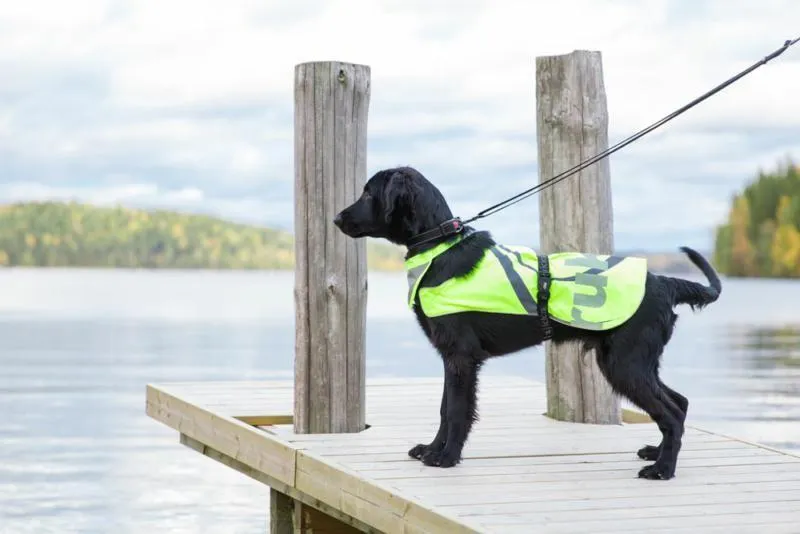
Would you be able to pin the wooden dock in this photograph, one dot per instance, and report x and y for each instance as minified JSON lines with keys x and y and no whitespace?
{"x":522,"y":471}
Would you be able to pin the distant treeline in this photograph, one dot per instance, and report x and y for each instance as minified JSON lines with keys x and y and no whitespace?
{"x":762,"y":234}
{"x":58,"y":234}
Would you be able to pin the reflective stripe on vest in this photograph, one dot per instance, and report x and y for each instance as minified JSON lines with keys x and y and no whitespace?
{"x":593,"y":292}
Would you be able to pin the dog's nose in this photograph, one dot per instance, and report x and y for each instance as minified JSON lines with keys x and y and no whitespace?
{"x":338,"y":220}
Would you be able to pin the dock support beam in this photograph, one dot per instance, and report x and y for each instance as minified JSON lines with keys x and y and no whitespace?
{"x":575,"y":215}
{"x":281,"y":513}
{"x":331,"y":104}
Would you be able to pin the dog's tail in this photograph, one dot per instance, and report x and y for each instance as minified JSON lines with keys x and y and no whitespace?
{"x":697,"y":295}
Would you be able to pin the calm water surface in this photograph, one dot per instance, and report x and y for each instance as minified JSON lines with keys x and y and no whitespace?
{"x":78,"y":454}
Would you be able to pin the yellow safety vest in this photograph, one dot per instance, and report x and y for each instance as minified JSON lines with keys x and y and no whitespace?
{"x":588,"y":291}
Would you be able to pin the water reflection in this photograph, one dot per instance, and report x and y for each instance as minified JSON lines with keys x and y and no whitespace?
{"x":771,"y":348}
{"x":769,"y":360}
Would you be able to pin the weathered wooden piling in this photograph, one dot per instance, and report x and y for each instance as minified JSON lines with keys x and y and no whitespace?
{"x":331,"y":108}
{"x":576,"y":214}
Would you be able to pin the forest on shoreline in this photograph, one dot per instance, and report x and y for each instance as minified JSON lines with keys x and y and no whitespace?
{"x":759,"y":239}
{"x":70,"y":234}
{"x":761,"y":236}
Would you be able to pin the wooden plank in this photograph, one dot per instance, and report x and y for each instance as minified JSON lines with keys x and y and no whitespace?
{"x":712,"y":525}
{"x":754,"y":523}
{"x":535,"y":520}
{"x":368,"y":501}
{"x":238,"y":440}
{"x":631,"y":491}
{"x":523,"y":481}
{"x":492,"y":447}
{"x":338,"y":489}
{"x":565,"y":482}
{"x":387,"y":404}
{"x":273,"y":483}
{"x":498,"y":447}
{"x":729,"y":524}
{"x":410,"y":392}
{"x":330,"y":283}
{"x":483,"y":466}
{"x":532,"y":505}
{"x":525,"y":450}
{"x":523,"y":428}
{"x":413,"y":389}
{"x":265,"y":420}
{"x":488,"y":383}
{"x":575,"y":215}
{"x":380,"y":392}
{"x":594,"y":469}
{"x":383,"y":437}
{"x":747,"y":442}
{"x":228,"y":387}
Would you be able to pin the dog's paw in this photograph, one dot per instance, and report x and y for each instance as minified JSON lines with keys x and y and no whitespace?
{"x":440,"y":458}
{"x":420,"y":450}
{"x":649,"y":452}
{"x":417,"y":451}
{"x":657,"y":471}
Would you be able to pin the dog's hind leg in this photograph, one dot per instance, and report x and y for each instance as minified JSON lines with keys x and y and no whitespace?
{"x":651,"y":452}
{"x":420,"y":451}
{"x":647,"y":394}
{"x":632,"y":377}
{"x":662,"y":410}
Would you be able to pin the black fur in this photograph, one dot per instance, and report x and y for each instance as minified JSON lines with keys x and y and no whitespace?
{"x":399,"y":203}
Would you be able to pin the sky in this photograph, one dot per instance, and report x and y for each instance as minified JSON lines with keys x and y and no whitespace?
{"x":188,"y":105}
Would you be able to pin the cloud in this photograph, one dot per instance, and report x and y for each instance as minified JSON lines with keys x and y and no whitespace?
{"x":187,"y":105}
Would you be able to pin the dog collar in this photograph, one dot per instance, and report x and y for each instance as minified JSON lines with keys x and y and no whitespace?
{"x":449,"y":227}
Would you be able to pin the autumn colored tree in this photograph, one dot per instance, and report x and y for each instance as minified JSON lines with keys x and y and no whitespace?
{"x":743,"y":254}
{"x":762,"y":234}
{"x":786,"y":243}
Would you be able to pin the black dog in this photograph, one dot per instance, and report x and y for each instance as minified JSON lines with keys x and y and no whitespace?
{"x":400,"y":204}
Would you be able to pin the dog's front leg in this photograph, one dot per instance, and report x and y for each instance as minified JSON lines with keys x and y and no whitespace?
{"x":421,"y":451}
{"x":459,"y":405}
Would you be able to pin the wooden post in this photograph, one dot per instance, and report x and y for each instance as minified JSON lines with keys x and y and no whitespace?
{"x":331,"y":104}
{"x":281,"y":513}
{"x":575,"y":215}
{"x":331,"y":107}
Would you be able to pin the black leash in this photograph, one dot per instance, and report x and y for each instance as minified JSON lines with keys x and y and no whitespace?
{"x":453,"y":226}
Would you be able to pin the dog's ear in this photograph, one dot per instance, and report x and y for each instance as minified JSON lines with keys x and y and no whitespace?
{"x":398,"y":191}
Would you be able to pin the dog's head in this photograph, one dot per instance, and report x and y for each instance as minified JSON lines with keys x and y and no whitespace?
{"x":396,"y":204}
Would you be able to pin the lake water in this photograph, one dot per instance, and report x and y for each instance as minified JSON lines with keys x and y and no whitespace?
{"x":78,"y":453}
